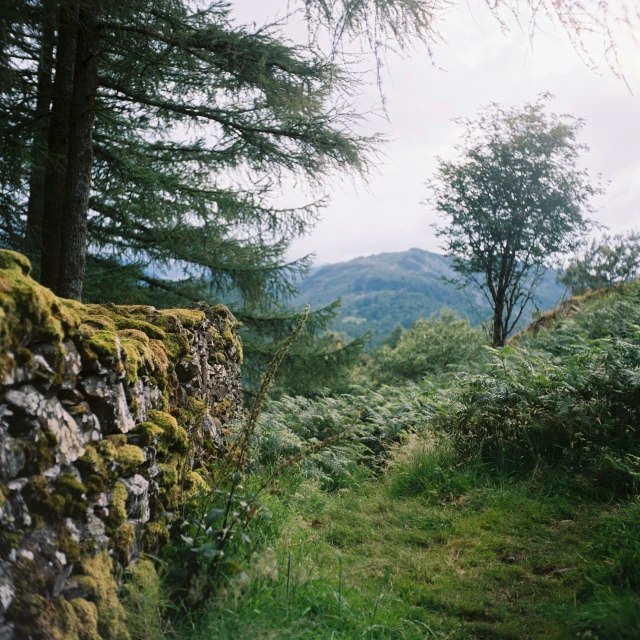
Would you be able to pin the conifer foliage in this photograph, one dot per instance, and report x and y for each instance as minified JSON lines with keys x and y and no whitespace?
{"x":128,"y":76}
{"x":143,"y":140}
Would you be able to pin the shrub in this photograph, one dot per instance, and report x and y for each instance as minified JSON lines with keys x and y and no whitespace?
{"x":430,"y":347}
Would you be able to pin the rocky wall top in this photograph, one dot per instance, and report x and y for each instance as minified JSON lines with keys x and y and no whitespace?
{"x":105,"y":412}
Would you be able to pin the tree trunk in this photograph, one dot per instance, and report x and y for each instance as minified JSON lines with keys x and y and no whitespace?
{"x":58,"y":145}
{"x":35,"y":206}
{"x":80,"y":159}
{"x":499,"y":338}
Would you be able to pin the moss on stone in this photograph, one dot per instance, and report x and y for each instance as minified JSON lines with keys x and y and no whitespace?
{"x":146,"y":434}
{"x":73,"y":493}
{"x":129,"y":458}
{"x":117,"y":505}
{"x":221,"y":408}
{"x":195,"y":412}
{"x":28,"y":310}
{"x":94,"y":484}
{"x":87,"y":619}
{"x":92,"y":463}
{"x":169,"y":473}
{"x":105,"y":343}
{"x":139,"y":351}
{"x":28,"y":601}
{"x":70,"y":484}
{"x":122,"y":542}
{"x":176,"y":346}
{"x":78,"y":409}
{"x":99,"y":345}
{"x":133,"y":359}
{"x":128,"y":322}
{"x":10,"y":539}
{"x":144,"y":574}
{"x":68,"y":546}
{"x":38,"y":455}
{"x":155,"y":535}
{"x":75,"y":619}
{"x":115,"y":440}
{"x":194,"y":483}
{"x":98,"y":576}
{"x":139,"y":341}
{"x":102,"y":322}
{"x":56,"y":504}
{"x":117,"y":334}
{"x":174,"y":437}
{"x":228,"y":330}
{"x":158,"y":355}
{"x":188,"y":318}
{"x":15,"y":261}
{"x":40,"y":500}
{"x":135,"y":335}
{"x":23,"y":356}
{"x":108,"y":458}
{"x":58,"y":620}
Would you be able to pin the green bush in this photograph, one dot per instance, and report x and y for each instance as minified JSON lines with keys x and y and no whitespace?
{"x":430,"y":347}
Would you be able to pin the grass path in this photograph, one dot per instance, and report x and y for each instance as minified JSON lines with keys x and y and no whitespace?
{"x":374,"y":561}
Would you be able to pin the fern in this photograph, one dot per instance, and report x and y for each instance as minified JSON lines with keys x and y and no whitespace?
{"x":568,"y":396}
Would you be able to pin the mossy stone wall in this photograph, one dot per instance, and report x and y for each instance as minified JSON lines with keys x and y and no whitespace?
{"x":105,"y":413}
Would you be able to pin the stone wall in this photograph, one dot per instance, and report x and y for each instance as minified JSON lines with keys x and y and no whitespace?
{"x":105,"y":413}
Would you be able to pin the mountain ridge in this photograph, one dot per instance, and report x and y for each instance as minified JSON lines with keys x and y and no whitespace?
{"x":380,"y":291}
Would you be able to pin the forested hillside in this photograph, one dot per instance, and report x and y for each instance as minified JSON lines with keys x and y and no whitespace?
{"x":382,"y":291}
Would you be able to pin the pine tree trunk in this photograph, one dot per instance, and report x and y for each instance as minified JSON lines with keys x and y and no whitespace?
{"x":58,"y":145}
{"x":35,"y":206}
{"x":80,"y":159}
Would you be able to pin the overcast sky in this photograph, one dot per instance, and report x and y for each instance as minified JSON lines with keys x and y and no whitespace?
{"x":476,"y":64}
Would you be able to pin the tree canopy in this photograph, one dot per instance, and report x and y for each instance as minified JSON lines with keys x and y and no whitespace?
{"x":513,"y":201}
{"x":605,"y":262}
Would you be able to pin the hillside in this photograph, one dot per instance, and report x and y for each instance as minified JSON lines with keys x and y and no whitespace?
{"x":381,"y":291}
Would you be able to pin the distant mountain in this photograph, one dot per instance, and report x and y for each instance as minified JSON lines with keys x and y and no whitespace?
{"x":379,"y":292}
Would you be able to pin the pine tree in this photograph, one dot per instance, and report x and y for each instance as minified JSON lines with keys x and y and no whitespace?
{"x":167,"y":129}
{"x":247,"y":105}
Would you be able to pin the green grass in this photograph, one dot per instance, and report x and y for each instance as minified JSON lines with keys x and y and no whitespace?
{"x":432,"y":550}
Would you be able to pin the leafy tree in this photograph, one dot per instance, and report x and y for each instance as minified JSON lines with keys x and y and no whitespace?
{"x":514,"y":201}
{"x":430,"y":347}
{"x":604,"y":263}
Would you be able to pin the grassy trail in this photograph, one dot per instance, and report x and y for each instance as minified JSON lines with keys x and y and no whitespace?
{"x":404,"y":557}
